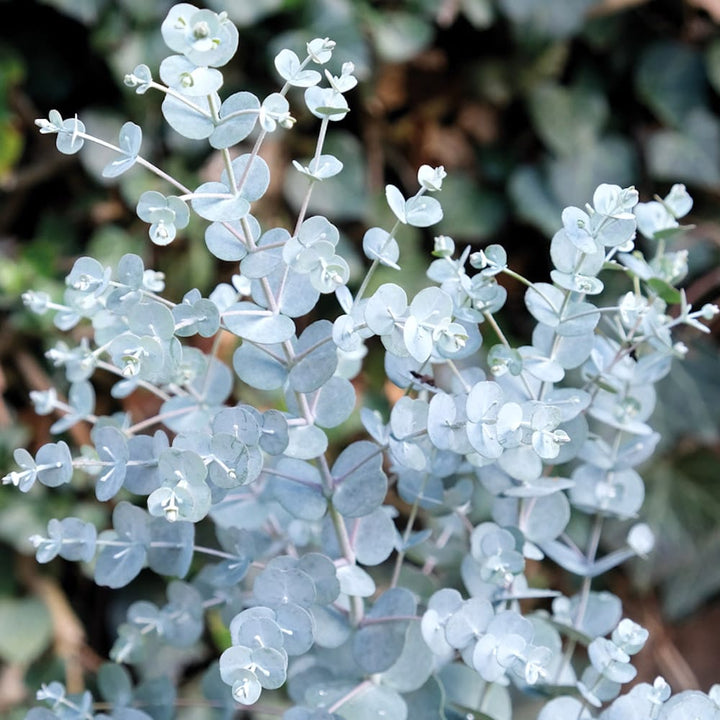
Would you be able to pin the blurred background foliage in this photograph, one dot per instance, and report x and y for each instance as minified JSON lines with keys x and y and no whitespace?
{"x":529,"y":104}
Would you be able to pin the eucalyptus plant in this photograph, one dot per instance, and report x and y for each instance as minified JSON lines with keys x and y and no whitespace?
{"x":334,"y":605}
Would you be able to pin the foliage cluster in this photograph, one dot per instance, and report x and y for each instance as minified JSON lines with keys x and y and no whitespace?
{"x":229,"y":488}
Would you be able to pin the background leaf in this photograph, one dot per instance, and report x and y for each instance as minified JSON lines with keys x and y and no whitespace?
{"x":25,"y":630}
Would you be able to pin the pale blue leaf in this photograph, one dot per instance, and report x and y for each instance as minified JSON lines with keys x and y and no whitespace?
{"x":379,"y":245}
{"x":545,"y":303}
{"x":414,"y":665}
{"x":297,"y":626}
{"x":214,"y":201}
{"x":53,"y":464}
{"x":129,"y":142}
{"x":374,"y":537}
{"x":355,"y":581}
{"x":287,"y":64}
{"x":294,"y":291}
{"x":306,"y":442}
{"x":258,"y":368}
{"x":298,"y":488}
{"x":119,"y":563}
{"x":115,"y":684}
{"x":112,"y":449}
{"x":252,"y":176}
{"x":326,"y":102}
{"x":387,"y":304}
{"x":417,"y":339}
{"x":68,"y":140}
{"x":184,"y":76}
{"x":376,"y":701}
{"x":191,"y":121}
{"x":521,"y":463}
{"x":320,"y":168}
{"x":316,"y":357}
{"x":564,"y":708}
{"x":396,"y":201}
{"x":251,"y":322}
{"x":226,"y":241}
{"x":332,"y":627}
{"x":172,"y":550}
{"x":380,"y":640}
{"x":422,"y":211}
{"x":237,"y":117}
{"x":267,"y":257}
{"x":360,"y":482}
{"x":334,"y":402}
{"x":547,"y":518}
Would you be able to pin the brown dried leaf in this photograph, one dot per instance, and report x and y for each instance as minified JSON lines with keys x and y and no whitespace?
{"x":446,"y":145}
{"x":479,"y":121}
{"x":391,"y":88}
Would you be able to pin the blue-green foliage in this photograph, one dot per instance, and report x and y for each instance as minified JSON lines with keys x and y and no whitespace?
{"x":541,"y":433}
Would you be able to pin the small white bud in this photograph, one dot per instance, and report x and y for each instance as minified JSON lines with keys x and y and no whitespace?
{"x":709,"y":311}
{"x":36,"y":540}
{"x":641,"y":539}
{"x":680,"y":349}
{"x":431,"y":178}
{"x":320,"y":50}
{"x":444,"y":246}
{"x":45,"y":126}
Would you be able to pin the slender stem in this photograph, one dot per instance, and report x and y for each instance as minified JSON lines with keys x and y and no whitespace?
{"x":490,"y":319}
{"x":196,"y":548}
{"x":141,"y":383}
{"x":366,"y":280}
{"x":227,"y":159}
{"x":213,"y":354}
{"x":504,"y":341}
{"x":151,"y":296}
{"x":456,"y":372}
{"x":355,"y":691}
{"x":357,"y":607}
{"x":524,"y":281}
{"x":68,"y":410}
{"x":253,"y":154}
{"x":590,"y":555}
{"x":389,"y":619}
{"x":76,"y":708}
{"x":180,"y":97}
{"x":313,"y":348}
{"x":318,"y":151}
{"x":375,"y":263}
{"x":321,"y":137}
{"x":587,"y":313}
{"x":379,"y":450}
{"x":406,"y":535}
{"x":284,"y":476}
{"x":139,"y":160}
{"x":557,"y":339}
{"x":338,"y":521}
{"x":157,"y":419}
{"x":304,"y":206}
